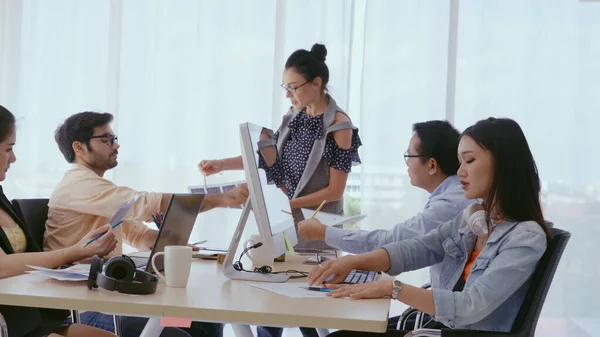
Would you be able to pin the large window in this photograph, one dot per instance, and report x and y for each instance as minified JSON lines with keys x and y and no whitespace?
{"x":537,"y":62}
{"x":181,"y":75}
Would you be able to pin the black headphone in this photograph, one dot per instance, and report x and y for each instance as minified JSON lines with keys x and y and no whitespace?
{"x":121,"y":275}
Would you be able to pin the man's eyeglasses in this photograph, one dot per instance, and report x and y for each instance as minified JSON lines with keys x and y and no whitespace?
{"x":110,"y":139}
{"x":292,"y":90}
{"x":406,"y":156}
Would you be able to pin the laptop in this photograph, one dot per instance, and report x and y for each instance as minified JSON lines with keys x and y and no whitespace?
{"x":175,"y":230}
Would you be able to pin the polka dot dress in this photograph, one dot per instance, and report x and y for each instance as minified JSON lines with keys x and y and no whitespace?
{"x":304,"y":131}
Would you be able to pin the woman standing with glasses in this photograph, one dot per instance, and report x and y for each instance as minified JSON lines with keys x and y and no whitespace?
{"x":316,"y":143}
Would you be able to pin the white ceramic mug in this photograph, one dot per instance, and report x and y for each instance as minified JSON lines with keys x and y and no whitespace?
{"x":178,"y":262}
{"x":258,"y":256}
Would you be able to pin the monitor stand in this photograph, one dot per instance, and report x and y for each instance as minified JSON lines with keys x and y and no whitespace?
{"x":228,"y":269}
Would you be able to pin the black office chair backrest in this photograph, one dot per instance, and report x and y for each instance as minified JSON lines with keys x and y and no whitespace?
{"x":34,"y":213}
{"x":527,"y":318}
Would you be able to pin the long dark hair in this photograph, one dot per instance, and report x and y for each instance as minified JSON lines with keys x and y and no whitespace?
{"x":515,"y":189}
{"x":7,"y":123}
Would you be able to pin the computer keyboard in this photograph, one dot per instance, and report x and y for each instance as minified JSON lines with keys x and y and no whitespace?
{"x":360,"y":276}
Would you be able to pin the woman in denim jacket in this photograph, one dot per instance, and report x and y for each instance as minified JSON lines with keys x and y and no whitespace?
{"x":485,"y":268}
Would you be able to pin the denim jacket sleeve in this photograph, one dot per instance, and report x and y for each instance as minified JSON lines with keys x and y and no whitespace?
{"x":518,"y":253}
{"x":362,"y":241}
{"x":421,"y":251}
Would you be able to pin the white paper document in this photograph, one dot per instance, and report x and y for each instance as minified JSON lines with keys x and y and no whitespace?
{"x":295,"y":290}
{"x":78,"y":272}
{"x":60,"y":277}
{"x":330,"y":219}
{"x":122,"y":211}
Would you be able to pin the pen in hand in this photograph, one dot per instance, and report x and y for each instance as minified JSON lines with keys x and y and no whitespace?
{"x":100,"y":235}
{"x":204,"y":175}
{"x":318,"y":209}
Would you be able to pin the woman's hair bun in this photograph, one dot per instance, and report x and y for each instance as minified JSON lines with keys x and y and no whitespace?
{"x":319,"y":51}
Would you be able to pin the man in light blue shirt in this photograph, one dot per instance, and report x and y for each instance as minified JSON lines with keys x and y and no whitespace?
{"x":432,"y":164}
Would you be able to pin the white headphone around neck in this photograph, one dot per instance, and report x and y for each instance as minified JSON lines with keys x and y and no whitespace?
{"x":478,"y":222}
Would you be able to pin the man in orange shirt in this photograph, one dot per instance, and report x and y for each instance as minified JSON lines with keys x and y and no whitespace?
{"x":83,"y":201}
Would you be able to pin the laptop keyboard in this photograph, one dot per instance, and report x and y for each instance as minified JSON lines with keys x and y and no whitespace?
{"x":140,"y":262}
{"x":360,"y":276}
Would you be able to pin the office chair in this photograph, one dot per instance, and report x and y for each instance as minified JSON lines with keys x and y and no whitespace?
{"x":34,"y":213}
{"x":527,"y":318}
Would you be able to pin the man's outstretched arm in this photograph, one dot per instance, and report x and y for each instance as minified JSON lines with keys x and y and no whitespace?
{"x":231,"y":198}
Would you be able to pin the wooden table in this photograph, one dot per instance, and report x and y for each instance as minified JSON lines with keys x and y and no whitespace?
{"x":209,"y":296}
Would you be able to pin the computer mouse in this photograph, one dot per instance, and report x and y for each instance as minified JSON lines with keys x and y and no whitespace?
{"x":323,"y":258}
{"x":313,"y":260}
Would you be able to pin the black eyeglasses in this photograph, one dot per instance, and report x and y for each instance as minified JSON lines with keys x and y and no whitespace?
{"x":406,"y":156}
{"x":292,"y":90}
{"x":110,"y":139}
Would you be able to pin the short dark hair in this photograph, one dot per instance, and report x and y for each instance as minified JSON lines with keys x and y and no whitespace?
{"x":311,"y":64}
{"x":7,"y":123}
{"x":516,"y":184}
{"x":439,"y":140}
{"x":79,"y":128}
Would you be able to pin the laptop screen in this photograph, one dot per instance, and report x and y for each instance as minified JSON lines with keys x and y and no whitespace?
{"x":177,"y":225}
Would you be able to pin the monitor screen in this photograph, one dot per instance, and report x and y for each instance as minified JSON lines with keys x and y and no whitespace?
{"x":270,"y":204}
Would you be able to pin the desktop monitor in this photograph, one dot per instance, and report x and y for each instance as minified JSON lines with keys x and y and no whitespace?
{"x":269,"y":203}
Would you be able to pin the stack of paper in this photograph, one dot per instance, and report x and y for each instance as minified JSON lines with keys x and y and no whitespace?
{"x":77,"y":272}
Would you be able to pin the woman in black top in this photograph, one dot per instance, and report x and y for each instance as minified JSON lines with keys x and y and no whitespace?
{"x":18,"y":249}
